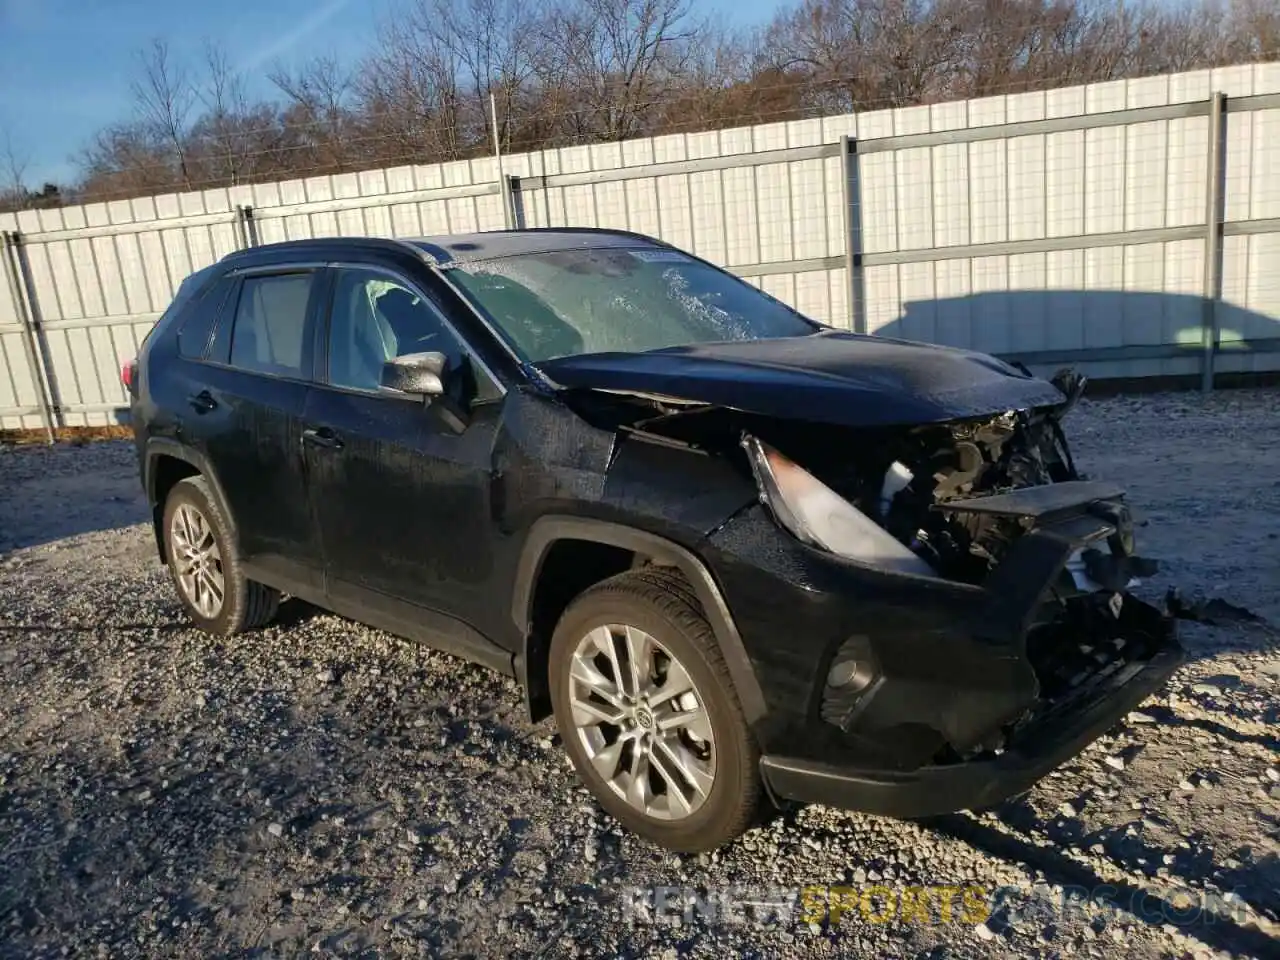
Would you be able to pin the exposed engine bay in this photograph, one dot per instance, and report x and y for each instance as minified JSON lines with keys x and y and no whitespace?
{"x":935,"y":465}
{"x":934,"y":488}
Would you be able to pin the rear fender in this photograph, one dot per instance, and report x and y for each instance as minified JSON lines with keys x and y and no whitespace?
{"x":158,"y":447}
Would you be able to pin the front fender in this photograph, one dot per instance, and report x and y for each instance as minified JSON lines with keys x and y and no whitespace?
{"x":547,"y":530}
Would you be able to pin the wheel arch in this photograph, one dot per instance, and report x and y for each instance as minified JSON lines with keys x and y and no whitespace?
{"x":168,"y":462}
{"x":548,"y":531}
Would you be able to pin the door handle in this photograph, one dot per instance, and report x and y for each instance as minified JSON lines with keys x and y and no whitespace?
{"x":202,"y":402}
{"x":322,"y":437}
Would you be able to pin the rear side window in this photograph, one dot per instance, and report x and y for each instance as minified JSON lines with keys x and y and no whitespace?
{"x":187,"y":289}
{"x":270,"y":324}
{"x":198,"y":319}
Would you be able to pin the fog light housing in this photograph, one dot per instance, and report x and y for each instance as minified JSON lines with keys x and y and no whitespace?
{"x":850,"y":679}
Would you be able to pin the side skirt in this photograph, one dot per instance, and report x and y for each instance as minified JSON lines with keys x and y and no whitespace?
{"x":410,"y":621}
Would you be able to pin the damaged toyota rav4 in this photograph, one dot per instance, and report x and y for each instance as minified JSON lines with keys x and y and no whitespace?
{"x":740,"y":556}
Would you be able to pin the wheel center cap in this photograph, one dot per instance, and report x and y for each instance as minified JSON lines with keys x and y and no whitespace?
{"x":644,"y":718}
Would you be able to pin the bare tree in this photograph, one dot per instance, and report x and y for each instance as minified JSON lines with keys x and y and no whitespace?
{"x":865,"y":54}
{"x":317,"y":114}
{"x":13,"y":164}
{"x":611,"y":62}
{"x":578,"y":71}
{"x":1254,"y":30}
{"x":495,"y":47}
{"x":13,"y":167}
{"x":164,"y":98}
{"x":220,"y":126}
{"x":721,"y":85}
{"x":427,"y":87}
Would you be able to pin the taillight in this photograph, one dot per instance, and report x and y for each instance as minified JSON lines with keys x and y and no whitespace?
{"x":129,"y":375}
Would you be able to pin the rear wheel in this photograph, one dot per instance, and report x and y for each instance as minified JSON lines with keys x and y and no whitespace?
{"x":205,"y":570}
{"x":649,"y":715}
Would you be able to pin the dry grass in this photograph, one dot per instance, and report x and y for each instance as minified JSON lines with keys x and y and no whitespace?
{"x":78,"y":435}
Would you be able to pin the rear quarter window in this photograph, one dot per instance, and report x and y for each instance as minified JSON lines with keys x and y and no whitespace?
{"x":197,"y":320}
{"x":186,"y":292}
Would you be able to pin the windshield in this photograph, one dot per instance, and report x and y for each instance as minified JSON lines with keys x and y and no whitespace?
{"x":618,"y":300}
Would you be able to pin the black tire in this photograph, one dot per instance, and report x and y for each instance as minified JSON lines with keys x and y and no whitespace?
{"x":246,"y":604}
{"x":661,"y":603}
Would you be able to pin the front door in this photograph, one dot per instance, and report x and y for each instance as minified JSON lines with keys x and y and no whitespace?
{"x":401,"y":494}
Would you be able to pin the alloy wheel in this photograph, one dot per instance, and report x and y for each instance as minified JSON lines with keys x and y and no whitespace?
{"x":642,"y":722}
{"x":197,"y":561}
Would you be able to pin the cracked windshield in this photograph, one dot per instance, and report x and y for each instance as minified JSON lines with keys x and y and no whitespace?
{"x":616,"y":300}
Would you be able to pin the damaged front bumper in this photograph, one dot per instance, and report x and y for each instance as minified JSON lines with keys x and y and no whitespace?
{"x":909,"y":696}
{"x":1034,"y":749}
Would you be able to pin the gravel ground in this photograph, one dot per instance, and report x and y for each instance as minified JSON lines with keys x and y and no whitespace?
{"x":319,"y":787}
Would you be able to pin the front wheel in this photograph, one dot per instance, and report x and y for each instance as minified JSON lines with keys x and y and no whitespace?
{"x":204,"y":567}
{"x":648,"y":713}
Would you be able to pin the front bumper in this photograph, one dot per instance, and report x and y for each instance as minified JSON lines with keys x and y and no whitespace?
{"x":931,"y":790}
{"x":956,"y":696}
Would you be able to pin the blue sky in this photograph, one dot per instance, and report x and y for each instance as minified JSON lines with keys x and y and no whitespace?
{"x":66,"y":65}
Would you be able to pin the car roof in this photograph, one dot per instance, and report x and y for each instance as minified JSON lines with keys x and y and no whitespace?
{"x":510,"y":243}
{"x":459,"y":248}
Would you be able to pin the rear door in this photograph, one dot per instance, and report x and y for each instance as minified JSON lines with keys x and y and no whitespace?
{"x":247,"y":419}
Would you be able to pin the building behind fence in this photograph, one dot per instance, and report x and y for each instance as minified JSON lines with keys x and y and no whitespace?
{"x":1130,"y":228}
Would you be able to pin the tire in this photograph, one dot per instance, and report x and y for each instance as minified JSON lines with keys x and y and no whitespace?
{"x":244,"y":604}
{"x":660,"y":604}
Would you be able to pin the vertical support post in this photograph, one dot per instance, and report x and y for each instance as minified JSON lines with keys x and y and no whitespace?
{"x":1214,"y":209}
{"x":519,"y":217}
{"x":248,"y":226}
{"x":851,"y":188}
{"x":14,"y":274}
{"x":504,"y":185}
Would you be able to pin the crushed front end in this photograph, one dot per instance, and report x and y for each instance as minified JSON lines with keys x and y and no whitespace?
{"x":951,"y":617}
{"x":933,"y":599}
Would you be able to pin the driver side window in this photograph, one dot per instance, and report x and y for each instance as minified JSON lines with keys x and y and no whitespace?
{"x":375,"y":319}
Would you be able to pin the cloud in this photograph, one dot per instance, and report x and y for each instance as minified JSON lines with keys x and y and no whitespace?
{"x":287,"y":41}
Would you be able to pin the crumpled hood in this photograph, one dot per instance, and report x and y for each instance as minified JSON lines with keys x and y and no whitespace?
{"x":830,"y":377}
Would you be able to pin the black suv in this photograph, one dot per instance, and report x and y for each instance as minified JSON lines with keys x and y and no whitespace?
{"x":733,"y":551}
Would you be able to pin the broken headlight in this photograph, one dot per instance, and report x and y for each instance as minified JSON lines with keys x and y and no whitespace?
{"x":819,"y":516}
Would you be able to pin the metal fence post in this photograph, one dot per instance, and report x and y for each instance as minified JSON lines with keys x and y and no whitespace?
{"x":23,"y":299}
{"x":1214,"y":210}
{"x":248,"y":226}
{"x":518,"y":217}
{"x":504,"y":184}
{"x":856,"y":287}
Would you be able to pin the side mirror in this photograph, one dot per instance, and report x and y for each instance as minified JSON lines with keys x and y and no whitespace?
{"x":416,"y":374}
